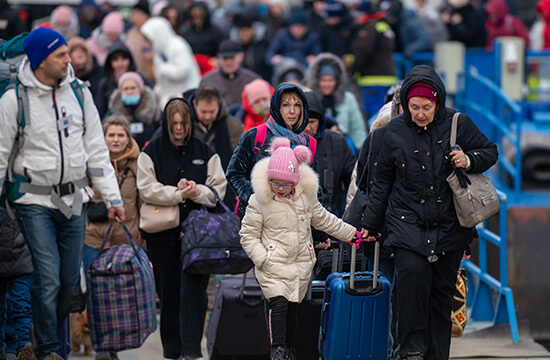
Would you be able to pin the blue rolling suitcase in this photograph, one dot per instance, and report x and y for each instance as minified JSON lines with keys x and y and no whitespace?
{"x":355,"y":321}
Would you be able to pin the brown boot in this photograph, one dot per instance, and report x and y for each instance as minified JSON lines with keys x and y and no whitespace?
{"x":25,"y":352}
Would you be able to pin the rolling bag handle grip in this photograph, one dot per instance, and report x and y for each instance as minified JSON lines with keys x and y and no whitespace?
{"x":354,"y":255}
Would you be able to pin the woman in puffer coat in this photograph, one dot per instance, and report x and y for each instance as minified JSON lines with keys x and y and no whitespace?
{"x":289,"y":124}
{"x":413,"y":199}
{"x":276,"y":235}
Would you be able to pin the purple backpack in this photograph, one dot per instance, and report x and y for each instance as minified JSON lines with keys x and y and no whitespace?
{"x":210,"y":242}
{"x":121,"y":296}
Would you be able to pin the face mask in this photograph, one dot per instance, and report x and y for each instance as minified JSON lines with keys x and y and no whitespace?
{"x":130,"y":100}
{"x":262,"y":110}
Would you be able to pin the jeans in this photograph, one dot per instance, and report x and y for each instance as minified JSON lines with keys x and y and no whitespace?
{"x":15,"y":305}
{"x":55,"y":243}
{"x":89,"y":254}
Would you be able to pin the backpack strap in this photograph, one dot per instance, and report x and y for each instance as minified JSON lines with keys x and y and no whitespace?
{"x":312,"y":146}
{"x":261,"y":132}
{"x":78,"y":89}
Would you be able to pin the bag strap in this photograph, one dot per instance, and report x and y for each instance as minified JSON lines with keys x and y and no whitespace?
{"x":329,"y":187}
{"x":78,"y":90}
{"x":261,"y":132}
{"x":312,"y":146}
{"x":126,"y":232}
{"x":367,"y":167}
{"x":220,"y":201}
{"x":454,"y":126}
{"x":124,"y":176}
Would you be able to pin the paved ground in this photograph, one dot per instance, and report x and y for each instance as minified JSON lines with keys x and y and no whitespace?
{"x":493,"y":342}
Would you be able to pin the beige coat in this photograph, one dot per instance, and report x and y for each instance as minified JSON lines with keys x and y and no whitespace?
{"x":276,"y":233}
{"x":95,"y":232}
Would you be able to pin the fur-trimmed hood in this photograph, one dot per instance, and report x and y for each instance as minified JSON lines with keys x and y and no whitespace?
{"x":312,"y":75}
{"x":146,"y":110}
{"x":307,"y":186}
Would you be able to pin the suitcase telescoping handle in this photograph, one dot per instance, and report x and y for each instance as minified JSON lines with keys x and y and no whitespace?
{"x":376,"y":261}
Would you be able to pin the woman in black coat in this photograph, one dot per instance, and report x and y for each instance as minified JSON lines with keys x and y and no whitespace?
{"x":412,"y":198}
{"x":280,"y":123}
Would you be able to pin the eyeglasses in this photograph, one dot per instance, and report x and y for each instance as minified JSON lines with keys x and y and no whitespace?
{"x":281,"y":185}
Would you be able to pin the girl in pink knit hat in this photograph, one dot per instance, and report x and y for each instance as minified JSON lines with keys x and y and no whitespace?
{"x":276,"y":235}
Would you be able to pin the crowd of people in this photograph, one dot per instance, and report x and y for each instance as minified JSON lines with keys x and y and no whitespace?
{"x":171,"y":99}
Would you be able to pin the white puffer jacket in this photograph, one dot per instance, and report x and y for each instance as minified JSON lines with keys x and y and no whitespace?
{"x":47,"y":156}
{"x":276,"y":233}
{"x":176,"y":70}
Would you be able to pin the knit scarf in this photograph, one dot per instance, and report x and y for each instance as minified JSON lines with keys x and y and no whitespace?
{"x":278,"y":130}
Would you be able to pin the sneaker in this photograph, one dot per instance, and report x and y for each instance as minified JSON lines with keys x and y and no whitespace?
{"x":278,"y":353}
{"x":103,"y":356}
{"x":53,"y":356}
{"x":291,"y":354}
{"x":25,"y":352}
{"x":192,"y":358}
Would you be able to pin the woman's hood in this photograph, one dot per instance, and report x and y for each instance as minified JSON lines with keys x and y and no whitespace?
{"x":316,"y":108}
{"x":164,"y":122}
{"x":202,"y":5}
{"x":498,"y":8}
{"x":275,"y":105}
{"x":159,"y":32}
{"x":425,"y":74}
{"x":308,"y":184}
{"x":117,"y":47}
{"x":312,"y":75}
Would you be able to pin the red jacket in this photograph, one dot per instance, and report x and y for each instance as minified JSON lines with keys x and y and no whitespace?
{"x":543,"y":9}
{"x":503,"y":24}
{"x":251,"y":119}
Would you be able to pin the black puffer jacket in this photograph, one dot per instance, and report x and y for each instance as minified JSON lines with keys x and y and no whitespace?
{"x":15,"y":257}
{"x":410,"y":192}
{"x":243,"y":159}
{"x":341,"y":158}
{"x":203,"y":39}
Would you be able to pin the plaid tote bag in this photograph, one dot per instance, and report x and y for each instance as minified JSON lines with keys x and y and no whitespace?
{"x":121,"y":296}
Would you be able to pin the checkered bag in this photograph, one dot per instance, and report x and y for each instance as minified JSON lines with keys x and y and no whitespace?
{"x":121,"y":296}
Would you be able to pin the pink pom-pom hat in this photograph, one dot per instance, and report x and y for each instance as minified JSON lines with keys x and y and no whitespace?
{"x":284,"y":162}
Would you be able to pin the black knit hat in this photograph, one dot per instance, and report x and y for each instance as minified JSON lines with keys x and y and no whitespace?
{"x":143,"y":5}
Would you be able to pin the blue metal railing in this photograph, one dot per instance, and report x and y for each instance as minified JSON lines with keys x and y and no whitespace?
{"x":482,"y":293}
{"x":497,"y":116}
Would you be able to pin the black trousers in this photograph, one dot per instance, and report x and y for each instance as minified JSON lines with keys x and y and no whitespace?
{"x":425,"y":294}
{"x":183,"y":302}
{"x":283,"y":321}
{"x":167,"y":269}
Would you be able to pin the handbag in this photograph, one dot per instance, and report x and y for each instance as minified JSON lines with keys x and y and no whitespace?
{"x":353,"y":214}
{"x":476,"y":202}
{"x":121,"y":297}
{"x":459,"y":317}
{"x":97,"y":212}
{"x":157,"y":218}
{"x":210,"y":242}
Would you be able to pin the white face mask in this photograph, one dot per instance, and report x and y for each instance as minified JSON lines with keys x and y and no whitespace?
{"x":457,"y":4}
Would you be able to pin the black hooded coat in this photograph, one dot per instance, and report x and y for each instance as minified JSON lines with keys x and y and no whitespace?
{"x":172,"y":163}
{"x":410,"y":193}
{"x":244,"y":159}
{"x":333,"y":155}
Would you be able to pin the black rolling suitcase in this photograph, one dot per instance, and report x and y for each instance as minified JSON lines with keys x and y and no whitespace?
{"x":309,"y":313}
{"x":238,"y":327}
